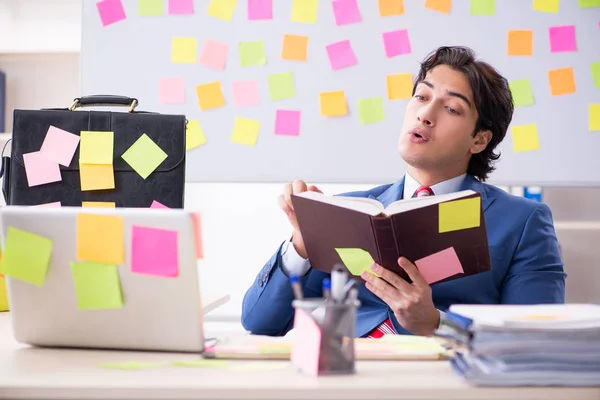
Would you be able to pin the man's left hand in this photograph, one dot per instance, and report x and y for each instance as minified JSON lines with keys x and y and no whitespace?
{"x":411,"y":302}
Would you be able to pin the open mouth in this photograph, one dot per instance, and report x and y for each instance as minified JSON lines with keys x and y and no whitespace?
{"x":419,"y":136}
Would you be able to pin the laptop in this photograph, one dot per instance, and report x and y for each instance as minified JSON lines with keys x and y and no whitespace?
{"x":158,"y":312}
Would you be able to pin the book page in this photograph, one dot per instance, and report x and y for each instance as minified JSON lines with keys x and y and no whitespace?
{"x":360,"y":204}
{"x":419,"y":202}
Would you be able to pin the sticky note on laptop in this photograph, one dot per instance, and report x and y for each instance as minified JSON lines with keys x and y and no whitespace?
{"x":97,"y":286}
{"x":100,"y":238}
{"x":154,"y":251}
{"x":20,"y":262}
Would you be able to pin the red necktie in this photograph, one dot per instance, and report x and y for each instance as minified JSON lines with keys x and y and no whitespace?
{"x":386,"y":327}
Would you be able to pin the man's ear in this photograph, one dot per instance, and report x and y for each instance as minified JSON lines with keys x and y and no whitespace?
{"x":480,"y":141}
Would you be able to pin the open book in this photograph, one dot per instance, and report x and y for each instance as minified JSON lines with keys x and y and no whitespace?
{"x":443,"y":235}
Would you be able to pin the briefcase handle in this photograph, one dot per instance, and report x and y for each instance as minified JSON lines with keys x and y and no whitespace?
{"x":104,"y":100}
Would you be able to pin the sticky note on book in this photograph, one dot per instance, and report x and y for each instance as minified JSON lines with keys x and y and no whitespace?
{"x":97,"y":286}
{"x":439,"y":266}
{"x":356,"y":260}
{"x":100,"y":238}
{"x":144,"y":156}
{"x":459,"y":214}
{"x":19,"y":261}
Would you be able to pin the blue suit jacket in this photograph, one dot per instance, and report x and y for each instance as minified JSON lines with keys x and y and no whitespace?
{"x":526,"y":267}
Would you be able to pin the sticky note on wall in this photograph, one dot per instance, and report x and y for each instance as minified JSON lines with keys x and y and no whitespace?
{"x":287,"y":122}
{"x":520,"y":43}
{"x":388,"y":8}
{"x":333,"y":104}
{"x":396,"y":43}
{"x":305,"y":11}
{"x":20,"y":262}
{"x":181,"y":7}
{"x":443,"y":6}
{"x":183,"y":50}
{"x":245,"y":131}
{"x":341,"y":55}
{"x":459,"y":214}
{"x":346,"y":12}
{"x":589,"y":3}
{"x":281,"y":86}
{"x":214,"y":54}
{"x":370,"y":110}
{"x":295,"y":47}
{"x":97,"y":286}
{"x":399,"y":86}
{"x":550,"y":6}
{"x":562,"y":38}
{"x":562,"y":81}
{"x":110,"y":11}
{"x":595,"y":68}
{"x":525,"y":138}
{"x":222,"y":9}
{"x":594,"y":117}
{"x":100,"y":238}
{"x":210,"y":95}
{"x":150,"y":8}
{"x":483,"y":7}
{"x":194,"y":135}
{"x":521,"y":92}
{"x":260,"y":10}
{"x":252,"y":53}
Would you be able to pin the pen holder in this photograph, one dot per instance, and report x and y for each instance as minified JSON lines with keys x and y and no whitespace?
{"x":324,"y":337}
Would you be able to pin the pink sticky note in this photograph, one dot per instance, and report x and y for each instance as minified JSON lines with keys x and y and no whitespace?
{"x":156,"y":204}
{"x":341,"y":55}
{"x":59,"y":146}
{"x":562,"y":38}
{"x":287,"y":122}
{"x":214,"y":54}
{"x":245,"y":93}
{"x":172,"y":91}
{"x":346,"y":12}
{"x":440,"y":265}
{"x":260,"y":9}
{"x":396,"y":43}
{"x":53,"y":204}
{"x":154,"y":251}
{"x":40,"y":170}
{"x":110,"y":11}
{"x":181,"y":7}
{"x":307,"y":343}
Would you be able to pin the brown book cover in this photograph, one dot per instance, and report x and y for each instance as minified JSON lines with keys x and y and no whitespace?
{"x":443,"y":235}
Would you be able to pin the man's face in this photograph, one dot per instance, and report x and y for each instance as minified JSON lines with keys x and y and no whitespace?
{"x":437,"y":133}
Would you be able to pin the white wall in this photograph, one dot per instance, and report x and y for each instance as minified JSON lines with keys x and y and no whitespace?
{"x":242,"y":222}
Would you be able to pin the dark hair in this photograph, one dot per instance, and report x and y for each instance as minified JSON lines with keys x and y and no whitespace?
{"x":491,"y":94}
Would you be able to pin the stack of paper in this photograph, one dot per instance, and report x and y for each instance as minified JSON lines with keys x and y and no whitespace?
{"x":512,"y":345}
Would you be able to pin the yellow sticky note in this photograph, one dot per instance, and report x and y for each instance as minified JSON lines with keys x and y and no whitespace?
{"x":98,"y":204}
{"x":144,"y":156}
{"x":443,"y":6}
{"x":525,"y":138}
{"x":100,"y":238}
{"x":97,"y":286}
{"x":26,"y":256}
{"x":210,"y":95}
{"x":305,"y":11}
{"x":594,"y":117}
{"x":3,"y":294}
{"x":459,"y":214}
{"x":388,"y":8}
{"x":562,"y":81}
{"x":294,"y":47}
{"x":520,"y":43}
{"x":96,"y":177}
{"x":550,"y":6}
{"x":183,"y":50}
{"x":333,"y":104}
{"x":245,"y":131}
{"x":96,"y":147}
{"x":356,"y":260}
{"x":194,"y":136}
{"x":399,"y":86}
{"x":222,"y":9}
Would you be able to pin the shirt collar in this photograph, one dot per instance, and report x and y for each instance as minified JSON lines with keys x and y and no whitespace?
{"x":445,"y":187}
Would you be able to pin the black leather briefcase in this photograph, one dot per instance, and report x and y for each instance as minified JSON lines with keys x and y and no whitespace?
{"x":165,"y":184}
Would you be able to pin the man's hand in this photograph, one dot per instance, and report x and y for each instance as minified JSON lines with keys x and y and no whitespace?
{"x":412,"y":303}
{"x":285,"y":202}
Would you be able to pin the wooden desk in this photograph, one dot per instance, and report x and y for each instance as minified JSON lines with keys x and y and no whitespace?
{"x":27,"y":373}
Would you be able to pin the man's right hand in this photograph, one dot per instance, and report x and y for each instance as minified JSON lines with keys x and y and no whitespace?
{"x":285,"y":202}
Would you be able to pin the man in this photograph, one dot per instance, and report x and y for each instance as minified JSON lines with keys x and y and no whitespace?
{"x":460,"y":111}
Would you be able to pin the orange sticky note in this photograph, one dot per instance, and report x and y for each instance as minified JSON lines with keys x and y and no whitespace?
{"x":391,"y":7}
{"x":333,"y":104}
{"x":210,"y":95}
{"x":294,"y":47}
{"x":96,"y":176}
{"x":198,"y":235}
{"x":562,"y":81}
{"x":399,"y":86}
{"x":443,"y":6}
{"x":520,"y":43}
{"x":100,"y":238}
{"x":98,"y":204}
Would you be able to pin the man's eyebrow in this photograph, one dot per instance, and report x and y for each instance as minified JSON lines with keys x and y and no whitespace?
{"x":450,"y":93}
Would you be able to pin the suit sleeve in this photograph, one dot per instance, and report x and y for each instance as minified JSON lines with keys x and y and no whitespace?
{"x":267,"y":306}
{"x":536,"y":274}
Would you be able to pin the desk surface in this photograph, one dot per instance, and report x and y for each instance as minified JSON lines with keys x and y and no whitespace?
{"x":27,"y":372}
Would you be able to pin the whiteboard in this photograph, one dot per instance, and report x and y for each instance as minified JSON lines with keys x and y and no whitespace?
{"x":130,"y":57}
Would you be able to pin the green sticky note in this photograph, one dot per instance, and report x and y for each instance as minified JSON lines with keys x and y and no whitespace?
{"x":131,"y":365}
{"x":483,"y":7}
{"x":596,"y":74}
{"x":459,"y":214}
{"x":356,"y":260}
{"x":589,"y":3}
{"x":150,"y":8}
{"x":144,"y":156}
{"x":203,"y":363}
{"x":97,"y":286}
{"x":26,"y":256}
{"x":281,"y":86}
{"x":521,"y":92}
{"x":252,"y":53}
{"x":371,"y":110}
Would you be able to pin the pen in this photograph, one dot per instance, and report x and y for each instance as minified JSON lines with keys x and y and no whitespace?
{"x":326,"y":288}
{"x":296,"y":287}
{"x":339,"y":277}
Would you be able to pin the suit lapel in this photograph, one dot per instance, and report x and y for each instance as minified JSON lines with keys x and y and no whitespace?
{"x":392,"y":194}
{"x":470,"y":183}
